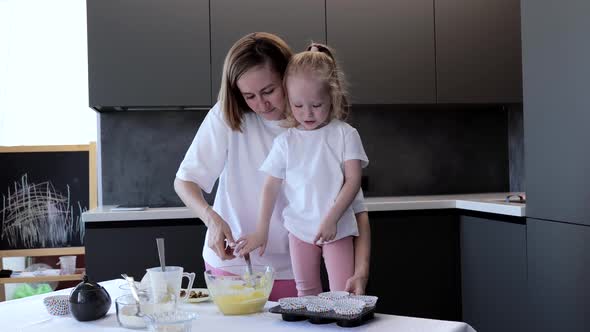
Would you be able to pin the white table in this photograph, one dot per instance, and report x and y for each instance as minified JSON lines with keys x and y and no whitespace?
{"x":29,"y":314}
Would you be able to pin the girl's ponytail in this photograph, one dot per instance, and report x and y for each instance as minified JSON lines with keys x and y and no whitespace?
{"x":319,"y":60}
{"x":317,"y":47}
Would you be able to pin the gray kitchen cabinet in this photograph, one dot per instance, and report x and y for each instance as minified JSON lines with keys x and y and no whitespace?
{"x":386,"y":49}
{"x":556,"y":104}
{"x":493,"y":272}
{"x":230,"y":20}
{"x":559,"y":275}
{"x":148,"y":53}
{"x":116,"y":247}
{"x":478,"y":51}
{"x":415,"y":267}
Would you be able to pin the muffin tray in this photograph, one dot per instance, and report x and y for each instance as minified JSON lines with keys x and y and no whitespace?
{"x":325,"y":317}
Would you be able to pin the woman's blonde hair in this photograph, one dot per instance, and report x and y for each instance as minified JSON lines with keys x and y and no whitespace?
{"x":252,"y":50}
{"x":319,"y":61}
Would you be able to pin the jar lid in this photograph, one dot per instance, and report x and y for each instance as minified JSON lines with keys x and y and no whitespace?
{"x":85,"y":287}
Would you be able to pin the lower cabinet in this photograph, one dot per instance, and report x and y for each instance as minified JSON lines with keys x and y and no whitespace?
{"x":415,"y":267}
{"x":559,"y":276}
{"x":129,"y":247}
{"x":493,"y":272}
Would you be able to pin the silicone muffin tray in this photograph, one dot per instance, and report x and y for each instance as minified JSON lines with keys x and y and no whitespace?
{"x":325,"y":317}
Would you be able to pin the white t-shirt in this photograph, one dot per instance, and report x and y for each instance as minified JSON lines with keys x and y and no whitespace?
{"x":311,"y":163}
{"x":234,"y":157}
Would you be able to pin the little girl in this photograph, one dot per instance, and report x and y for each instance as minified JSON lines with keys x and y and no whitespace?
{"x":319,"y":160}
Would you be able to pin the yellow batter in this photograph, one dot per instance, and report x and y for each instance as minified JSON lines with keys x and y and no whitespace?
{"x":249,"y":296}
{"x":241,"y":304}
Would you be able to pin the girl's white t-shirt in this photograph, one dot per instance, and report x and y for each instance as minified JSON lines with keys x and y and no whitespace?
{"x":235,"y":157}
{"x":311,"y":163}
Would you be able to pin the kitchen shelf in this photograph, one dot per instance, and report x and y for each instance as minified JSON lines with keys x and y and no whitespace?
{"x":67,"y":251}
{"x":65,"y":277}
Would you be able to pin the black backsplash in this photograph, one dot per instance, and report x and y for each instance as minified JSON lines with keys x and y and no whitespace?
{"x":413,"y":150}
{"x":141,"y":151}
{"x":516,"y":147}
{"x":433,"y":149}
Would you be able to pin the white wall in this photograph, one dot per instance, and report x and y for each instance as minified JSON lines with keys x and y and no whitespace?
{"x":44,"y":74}
{"x":43,"y":78}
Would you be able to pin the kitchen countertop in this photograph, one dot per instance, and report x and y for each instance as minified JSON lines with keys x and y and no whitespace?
{"x":29,"y":314}
{"x":485,"y":202}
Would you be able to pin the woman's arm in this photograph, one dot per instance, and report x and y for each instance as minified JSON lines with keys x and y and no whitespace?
{"x":192,"y":196}
{"x":249,"y":242}
{"x":362,"y":256}
{"x":349,"y":190}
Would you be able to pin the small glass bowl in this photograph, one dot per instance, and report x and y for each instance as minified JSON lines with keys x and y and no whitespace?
{"x":177,"y":321}
{"x":125,"y":287}
{"x":128,"y":312}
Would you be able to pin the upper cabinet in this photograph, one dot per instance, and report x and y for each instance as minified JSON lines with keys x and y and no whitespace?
{"x":297,"y":22}
{"x":151,"y":53}
{"x":147,"y":53}
{"x":478,"y":51}
{"x":386,"y":49}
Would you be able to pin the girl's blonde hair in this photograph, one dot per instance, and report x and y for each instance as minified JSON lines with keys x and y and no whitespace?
{"x":319,"y":61}
{"x":252,"y":50}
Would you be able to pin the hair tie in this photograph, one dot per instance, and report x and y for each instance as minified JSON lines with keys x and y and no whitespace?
{"x":314,"y":48}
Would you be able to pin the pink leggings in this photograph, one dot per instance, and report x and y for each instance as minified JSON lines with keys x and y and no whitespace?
{"x":306,"y":258}
{"x":280,"y":288}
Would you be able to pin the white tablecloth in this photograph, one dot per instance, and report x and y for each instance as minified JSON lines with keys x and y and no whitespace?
{"x":29,"y":314}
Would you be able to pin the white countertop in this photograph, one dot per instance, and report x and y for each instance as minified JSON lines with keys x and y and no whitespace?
{"x":29,"y":314}
{"x":488,"y":202}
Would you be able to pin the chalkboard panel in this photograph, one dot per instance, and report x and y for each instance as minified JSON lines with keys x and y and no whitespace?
{"x":44,"y":190}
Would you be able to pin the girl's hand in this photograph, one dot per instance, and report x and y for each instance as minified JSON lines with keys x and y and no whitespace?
{"x":356,"y":285}
{"x":326,"y":233}
{"x":220,"y":237}
{"x":249,"y":242}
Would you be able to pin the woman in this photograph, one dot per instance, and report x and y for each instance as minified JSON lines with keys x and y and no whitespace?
{"x":231,"y":144}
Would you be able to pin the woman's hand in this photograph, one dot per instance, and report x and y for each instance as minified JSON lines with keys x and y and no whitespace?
{"x":356,"y":284}
{"x":326,"y":233}
{"x":249,"y":242}
{"x":219,"y":232}
{"x":221,"y":240}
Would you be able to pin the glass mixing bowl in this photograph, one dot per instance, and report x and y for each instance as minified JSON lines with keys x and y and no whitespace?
{"x":236,"y":292}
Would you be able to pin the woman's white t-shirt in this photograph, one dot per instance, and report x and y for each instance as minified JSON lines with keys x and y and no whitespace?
{"x":234,"y":157}
{"x":311,"y":163}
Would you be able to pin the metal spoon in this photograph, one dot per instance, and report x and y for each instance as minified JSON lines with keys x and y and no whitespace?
{"x":131,"y":283}
{"x":249,"y":265}
{"x":248,"y":262}
{"x":161,"y":253}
